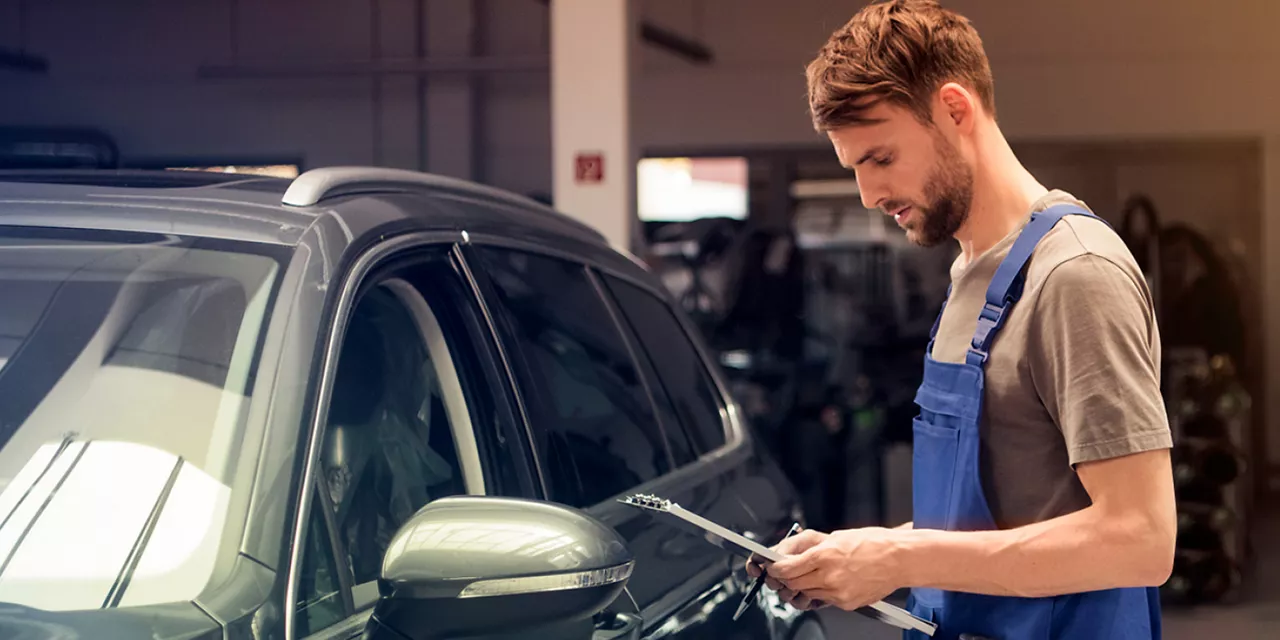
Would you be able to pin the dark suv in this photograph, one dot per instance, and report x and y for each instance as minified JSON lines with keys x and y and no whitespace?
{"x":364,"y":401}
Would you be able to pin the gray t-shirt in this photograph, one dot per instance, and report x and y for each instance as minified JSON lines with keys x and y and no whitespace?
{"x":1074,"y":375}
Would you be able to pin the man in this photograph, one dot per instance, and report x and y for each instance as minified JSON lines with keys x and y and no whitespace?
{"x":1043,"y":497}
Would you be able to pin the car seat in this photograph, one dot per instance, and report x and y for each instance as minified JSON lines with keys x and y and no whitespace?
{"x":378,"y":462}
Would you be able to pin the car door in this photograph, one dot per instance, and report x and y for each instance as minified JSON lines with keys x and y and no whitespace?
{"x":602,"y":428}
{"x":689,"y":395}
{"x":418,"y":410}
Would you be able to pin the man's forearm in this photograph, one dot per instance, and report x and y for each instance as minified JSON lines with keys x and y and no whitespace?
{"x":1083,"y":551}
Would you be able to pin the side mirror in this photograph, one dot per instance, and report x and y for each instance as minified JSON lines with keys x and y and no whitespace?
{"x":468,"y":566}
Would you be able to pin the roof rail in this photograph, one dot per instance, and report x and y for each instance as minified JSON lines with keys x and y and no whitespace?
{"x":316,"y":185}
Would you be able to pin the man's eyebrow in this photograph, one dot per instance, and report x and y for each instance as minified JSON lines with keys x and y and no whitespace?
{"x":870,"y":152}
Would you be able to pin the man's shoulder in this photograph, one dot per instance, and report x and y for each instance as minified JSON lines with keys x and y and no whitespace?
{"x":1081,"y":236}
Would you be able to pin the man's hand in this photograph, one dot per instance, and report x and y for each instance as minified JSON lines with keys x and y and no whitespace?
{"x":848,"y":569}
{"x":791,"y":546}
{"x":796,"y":544}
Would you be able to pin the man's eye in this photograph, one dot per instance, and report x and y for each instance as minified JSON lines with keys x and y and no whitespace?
{"x":883,"y":162}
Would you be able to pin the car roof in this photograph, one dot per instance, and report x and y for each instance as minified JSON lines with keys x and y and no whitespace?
{"x":253,"y":208}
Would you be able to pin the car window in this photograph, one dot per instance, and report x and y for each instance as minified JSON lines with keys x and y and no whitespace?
{"x":678,"y":440}
{"x":417,"y":413}
{"x":685,"y":382}
{"x":320,"y":603}
{"x":388,"y":446}
{"x":592,"y":414}
{"x":681,"y":447}
{"x":127,"y":363}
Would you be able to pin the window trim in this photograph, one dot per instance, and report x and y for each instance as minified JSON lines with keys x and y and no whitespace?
{"x":433,"y":339}
{"x":338,"y":321}
{"x":479,"y":290}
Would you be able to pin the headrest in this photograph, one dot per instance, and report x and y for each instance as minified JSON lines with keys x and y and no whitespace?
{"x":358,"y":387}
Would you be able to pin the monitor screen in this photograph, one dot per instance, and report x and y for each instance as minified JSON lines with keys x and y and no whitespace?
{"x":684,"y":189}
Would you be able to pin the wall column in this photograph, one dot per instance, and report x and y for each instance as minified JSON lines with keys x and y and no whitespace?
{"x":592,"y":60}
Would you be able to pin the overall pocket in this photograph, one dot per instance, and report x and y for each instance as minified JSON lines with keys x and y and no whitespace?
{"x":933,"y":466}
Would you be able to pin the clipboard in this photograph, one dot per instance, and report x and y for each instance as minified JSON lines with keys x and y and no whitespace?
{"x":733,"y":542}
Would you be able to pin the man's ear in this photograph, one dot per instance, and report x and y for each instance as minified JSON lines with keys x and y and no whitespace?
{"x":957,"y":107}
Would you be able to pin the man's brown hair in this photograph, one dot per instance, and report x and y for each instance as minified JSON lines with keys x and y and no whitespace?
{"x":900,"y":51}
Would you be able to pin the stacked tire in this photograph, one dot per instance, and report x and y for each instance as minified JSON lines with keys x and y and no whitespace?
{"x":1211,"y":484}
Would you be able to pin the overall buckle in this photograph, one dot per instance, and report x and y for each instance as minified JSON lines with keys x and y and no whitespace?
{"x":990,"y":319}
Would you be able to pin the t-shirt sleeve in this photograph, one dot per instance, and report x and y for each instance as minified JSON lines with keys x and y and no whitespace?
{"x":1096,"y":360}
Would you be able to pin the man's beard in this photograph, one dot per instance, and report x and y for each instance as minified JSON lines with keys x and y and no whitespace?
{"x":949,"y":191}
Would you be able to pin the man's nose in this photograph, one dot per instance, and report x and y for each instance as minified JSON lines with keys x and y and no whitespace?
{"x":869,"y":192}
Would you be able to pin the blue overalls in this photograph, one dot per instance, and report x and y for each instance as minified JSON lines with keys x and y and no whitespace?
{"x":948,"y":494}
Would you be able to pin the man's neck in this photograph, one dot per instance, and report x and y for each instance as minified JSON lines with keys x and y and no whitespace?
{"x":1003,"y":192}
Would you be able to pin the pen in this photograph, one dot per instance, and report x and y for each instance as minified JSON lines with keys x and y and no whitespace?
{"x":755,"y":588}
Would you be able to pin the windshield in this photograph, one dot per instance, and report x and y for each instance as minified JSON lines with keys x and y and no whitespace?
{"x":125,"y":368}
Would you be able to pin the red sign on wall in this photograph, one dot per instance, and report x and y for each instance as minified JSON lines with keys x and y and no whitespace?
{"x":589,"y":168}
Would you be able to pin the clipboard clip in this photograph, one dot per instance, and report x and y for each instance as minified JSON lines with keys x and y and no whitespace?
{"x":646,"y":501}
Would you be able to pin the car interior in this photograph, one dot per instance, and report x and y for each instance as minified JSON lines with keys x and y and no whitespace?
{"x":389,"y":445}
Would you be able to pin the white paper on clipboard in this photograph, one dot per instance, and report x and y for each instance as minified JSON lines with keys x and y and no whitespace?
{"x":738,"y":544}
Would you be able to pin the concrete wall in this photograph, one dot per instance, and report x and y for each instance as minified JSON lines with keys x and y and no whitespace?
{"x":130,"y":68}
{"x":1091,"y":70}
{"x":1088,"y":68}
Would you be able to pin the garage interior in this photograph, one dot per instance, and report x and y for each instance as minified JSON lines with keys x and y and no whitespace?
{"x":679,"y":129}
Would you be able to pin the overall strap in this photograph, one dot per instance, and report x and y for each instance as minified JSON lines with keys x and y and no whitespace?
{"x":1006,"y":286}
